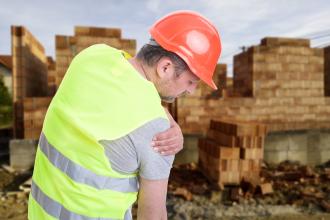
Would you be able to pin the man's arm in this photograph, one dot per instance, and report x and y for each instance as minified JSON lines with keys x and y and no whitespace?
{"x":152,"y":199}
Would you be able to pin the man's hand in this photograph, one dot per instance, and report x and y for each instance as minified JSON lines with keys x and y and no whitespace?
{"x":170,"y":141}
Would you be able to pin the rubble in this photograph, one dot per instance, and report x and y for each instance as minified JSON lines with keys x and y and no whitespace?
{"x":13,"y":203}
{"x":296,"y":189}
{"x":192,"y":196}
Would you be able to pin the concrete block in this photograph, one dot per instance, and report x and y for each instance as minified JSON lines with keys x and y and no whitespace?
{"x":298,"y":155}
{"x":313,"y":156}
{"x":325,"y":156}
{"x":277,"y":142}
{"x":313,"y":140}
{"x":275,"y":156}
{"x":325,"y":140}
{"x":189,"y":153}
{"x":22,"y":153}
{"x":298,"y":142}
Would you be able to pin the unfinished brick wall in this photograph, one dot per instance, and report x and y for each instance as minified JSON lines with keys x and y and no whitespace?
{"x":327,"y":71}
{"x":68,"y":46}
{"x":287,"y":87}
{"x":29,"y":72}
{"x":220,"y":79}
{"x":51,"y":79}
{"x":280,"y":67}
{"x":34,"y":113}
{"x":242,"y":79}
{"x":189,"y":113}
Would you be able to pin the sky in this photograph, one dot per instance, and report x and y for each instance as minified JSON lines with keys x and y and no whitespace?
{"x":239,"y":22}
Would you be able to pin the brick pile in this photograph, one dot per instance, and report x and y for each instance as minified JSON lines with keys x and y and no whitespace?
{"x":232,"y":151}
{"x":285,"y":79}
{"x":34,"y":113}
{"x":29,"y":72}
{"x":68,"y":46}
{"x":327,"y":71}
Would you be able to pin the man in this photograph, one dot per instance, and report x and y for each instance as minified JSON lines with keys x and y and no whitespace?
{"x":94,"y":156}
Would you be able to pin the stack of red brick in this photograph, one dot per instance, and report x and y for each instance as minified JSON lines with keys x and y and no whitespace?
{"x":232,"y":151}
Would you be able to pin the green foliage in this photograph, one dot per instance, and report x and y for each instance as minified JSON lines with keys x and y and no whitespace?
{"x":5,"y":98}
{"x":6,"y":109}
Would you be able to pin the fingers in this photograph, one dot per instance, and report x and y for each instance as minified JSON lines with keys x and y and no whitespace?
{"x":168,"y":150}
{"x":165,"y":142}
{"x":169,"y":133}
{"x":168,"y":142}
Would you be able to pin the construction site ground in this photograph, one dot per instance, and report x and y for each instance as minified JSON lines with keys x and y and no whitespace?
{"x":299,"y":192}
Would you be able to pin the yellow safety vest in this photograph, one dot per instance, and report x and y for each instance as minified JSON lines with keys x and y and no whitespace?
{"x":102,"y":97}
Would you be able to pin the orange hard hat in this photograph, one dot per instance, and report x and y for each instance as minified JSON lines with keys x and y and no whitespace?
{"x":193,"y":38}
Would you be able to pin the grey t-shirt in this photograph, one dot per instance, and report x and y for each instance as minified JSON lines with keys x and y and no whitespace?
{"x":133,"y":153}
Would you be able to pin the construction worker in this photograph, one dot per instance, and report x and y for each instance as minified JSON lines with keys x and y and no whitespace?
{"x":94,"y":158}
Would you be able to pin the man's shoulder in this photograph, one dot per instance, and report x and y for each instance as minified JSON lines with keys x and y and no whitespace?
{"x":101,"y":50}
{"x":133,"y":152}
{"x":151,"y":127}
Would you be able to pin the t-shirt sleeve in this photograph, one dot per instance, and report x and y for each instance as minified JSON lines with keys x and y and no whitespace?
{"x":152,"y":165}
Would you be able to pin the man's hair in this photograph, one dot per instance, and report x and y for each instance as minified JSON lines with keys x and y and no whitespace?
{"x":151,"y":53}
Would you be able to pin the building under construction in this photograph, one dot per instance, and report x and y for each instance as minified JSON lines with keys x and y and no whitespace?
{"x":275,"y":108}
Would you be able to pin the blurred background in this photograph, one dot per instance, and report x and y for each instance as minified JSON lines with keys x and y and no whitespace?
{"x":258,"y":147}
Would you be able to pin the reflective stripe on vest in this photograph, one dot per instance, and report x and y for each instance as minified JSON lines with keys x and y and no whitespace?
{"x":81,"y":175}
{"x":56,"y":210}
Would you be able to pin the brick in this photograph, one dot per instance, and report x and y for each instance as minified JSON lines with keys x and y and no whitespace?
{"x":97,"y":31}
{"x":245,"y":165}
{"x":229,"y":165}
{"x":270,"y":41}
{"x":218,"y":151}
{"x":226,"y":177}
{"x":266,"y":188}
{"x":251,"y":153}
{"x":222,"y":139}
{"x":249,"y":176}
{"x":238,"y":128}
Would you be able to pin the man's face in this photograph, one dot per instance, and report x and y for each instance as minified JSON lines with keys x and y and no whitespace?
{"x":176,"y":85}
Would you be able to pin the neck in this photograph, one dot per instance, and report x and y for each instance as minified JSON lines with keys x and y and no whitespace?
{"x":140,"y":68}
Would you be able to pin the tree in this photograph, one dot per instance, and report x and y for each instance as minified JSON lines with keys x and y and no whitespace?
{"x":5,"y":98}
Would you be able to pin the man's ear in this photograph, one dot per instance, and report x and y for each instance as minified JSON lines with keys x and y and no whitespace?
{"x":165,"y":68}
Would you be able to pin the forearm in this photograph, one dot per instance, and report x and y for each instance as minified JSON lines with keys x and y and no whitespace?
{"x":151,"y":214}
{"x":152,"y":200}
{"x":164,"y":217}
